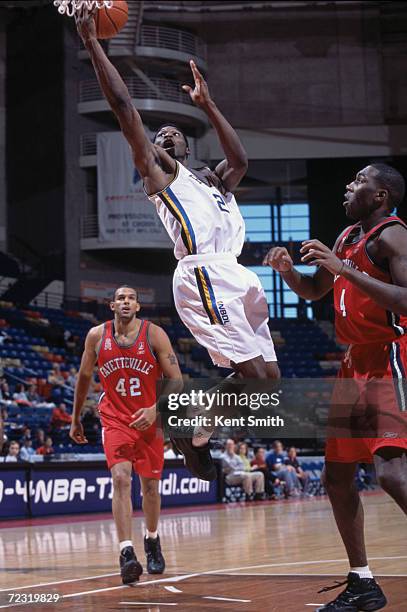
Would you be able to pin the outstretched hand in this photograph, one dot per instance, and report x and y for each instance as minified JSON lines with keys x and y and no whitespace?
{"x":200,"y":93}
{"x":279,"y":259}
{"x":316,"y":253}
{"x":85,"y":23}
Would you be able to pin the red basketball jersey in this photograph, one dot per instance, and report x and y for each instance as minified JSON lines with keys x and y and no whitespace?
{"x":358,"y":318}
{"x":128,"y":375}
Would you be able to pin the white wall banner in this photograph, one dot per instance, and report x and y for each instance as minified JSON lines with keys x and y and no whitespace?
{"x":126,"y":217}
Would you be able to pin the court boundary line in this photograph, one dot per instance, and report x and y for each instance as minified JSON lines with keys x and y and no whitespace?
{"x":303,"y":574}
{"x":183,"y":577}
{"x":217,"y":571}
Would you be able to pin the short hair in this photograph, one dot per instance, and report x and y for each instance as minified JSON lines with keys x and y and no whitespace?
{"x":123,"y":287}
{"x":390,"y":179}
{"x":174,"y":126}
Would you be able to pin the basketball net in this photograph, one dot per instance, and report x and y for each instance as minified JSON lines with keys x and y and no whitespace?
{"x":70,"y":7}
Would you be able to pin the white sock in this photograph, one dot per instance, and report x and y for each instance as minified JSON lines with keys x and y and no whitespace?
{"x":363,"y":572}
{"x":151,"y":534}
{"x":125,"y":543}
{"x":201,"y":436}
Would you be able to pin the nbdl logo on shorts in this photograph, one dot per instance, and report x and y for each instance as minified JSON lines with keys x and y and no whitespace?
{"x":223,"y":313}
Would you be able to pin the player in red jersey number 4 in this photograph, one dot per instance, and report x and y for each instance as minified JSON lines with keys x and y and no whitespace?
{"x":367,"y":269}
{"x":132,"y":355}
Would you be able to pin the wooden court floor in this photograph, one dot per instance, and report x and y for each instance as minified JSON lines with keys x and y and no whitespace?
{"x":264,"y":556}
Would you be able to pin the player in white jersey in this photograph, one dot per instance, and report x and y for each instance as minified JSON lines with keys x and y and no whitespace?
{"x":221,"y":302}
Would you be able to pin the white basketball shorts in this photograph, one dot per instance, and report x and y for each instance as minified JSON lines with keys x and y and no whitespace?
{"x":225,"y":308}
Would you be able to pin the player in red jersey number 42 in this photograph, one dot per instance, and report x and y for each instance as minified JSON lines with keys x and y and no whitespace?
{"x":367,"y":269}
{"x":132,"y":355}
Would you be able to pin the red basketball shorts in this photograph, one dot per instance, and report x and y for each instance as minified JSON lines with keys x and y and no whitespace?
{"x":145,"y":450}
{"x":369,"y":403}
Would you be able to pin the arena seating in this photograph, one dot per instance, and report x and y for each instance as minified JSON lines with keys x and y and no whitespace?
{"x":37,"y":339}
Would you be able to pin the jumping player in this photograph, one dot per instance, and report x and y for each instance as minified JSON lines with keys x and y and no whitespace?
{"x":132,"y":355}
{"x":222,"y":303}
{"x":367,"y":269}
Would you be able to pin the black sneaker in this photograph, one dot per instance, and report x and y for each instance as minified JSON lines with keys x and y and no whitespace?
{"x":130,"y":568}
{"x":360,"y":594}
{"x":155,"y":559}
{"x":196,"y":458}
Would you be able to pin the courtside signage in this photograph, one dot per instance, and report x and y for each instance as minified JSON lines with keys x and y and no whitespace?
{"x":80,"y":490}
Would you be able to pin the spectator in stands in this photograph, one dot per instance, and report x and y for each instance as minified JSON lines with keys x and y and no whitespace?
{"x":27,"y":451}
{"x":60,"y":419}
{"x":47,"y":448}
{"x":33,"y":396}
{"x":26,"y":433}
{"x":259,"y":464}
{"x":55,"y":377}
{"x":235,"y":474}
{"x":73,"y":374}
{"x":13,"y":450}
{"x":39,"y":439}
{"x":243,"y":452}
{"x":293,"y":461}
{"x":276,"y":463}
{"x":5,"y":392}
{"x":20,"y":396}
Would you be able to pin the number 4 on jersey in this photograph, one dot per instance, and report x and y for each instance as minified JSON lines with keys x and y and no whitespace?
{"x":342,"y":303}
{"x":134,"y":385}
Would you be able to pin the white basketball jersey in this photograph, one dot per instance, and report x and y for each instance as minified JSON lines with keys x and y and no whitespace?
{"x":198,"y":218}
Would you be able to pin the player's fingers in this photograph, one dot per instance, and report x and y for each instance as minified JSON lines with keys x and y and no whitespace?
{"x":195,"y":71}
{"x":187,"y":88}
{"x":268,"y":256}
{"x":312,"y":253}
{"x":271,"y":255}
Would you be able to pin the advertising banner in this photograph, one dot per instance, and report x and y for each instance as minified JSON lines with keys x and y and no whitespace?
{"x":80,"y":489}
{"x":124,"y":212}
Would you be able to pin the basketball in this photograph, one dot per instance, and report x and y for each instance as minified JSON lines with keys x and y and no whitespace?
{"x":109,"y":21}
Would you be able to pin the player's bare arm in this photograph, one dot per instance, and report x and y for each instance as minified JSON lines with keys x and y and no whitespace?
{"x":161,"y":345}
{"x":307,"y":286}
{"x":155,"y":166}
{"x":391,"y":248}
{"x":83,"y":381}
{"x":232,"y":169}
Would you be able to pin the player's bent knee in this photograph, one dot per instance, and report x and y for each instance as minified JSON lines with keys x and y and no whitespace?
{"x":253,"y":368}
{"x":273,"y":371}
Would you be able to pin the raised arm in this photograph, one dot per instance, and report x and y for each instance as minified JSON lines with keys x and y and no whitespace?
{"x":83,"y":382}
{"x":148,"y":161}
{"x":232,"y":169}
